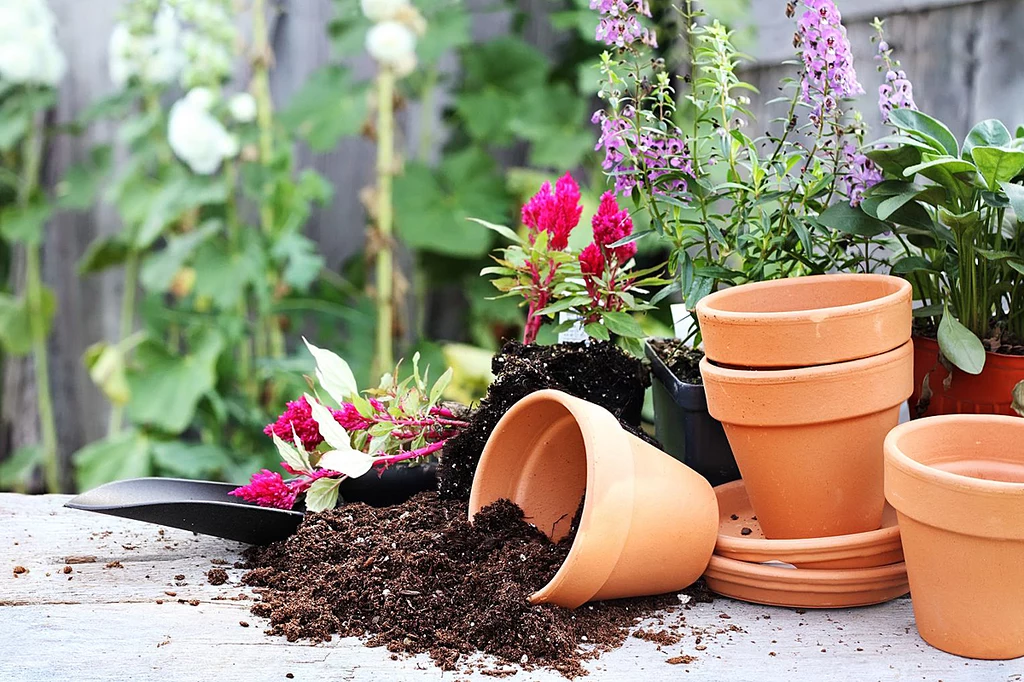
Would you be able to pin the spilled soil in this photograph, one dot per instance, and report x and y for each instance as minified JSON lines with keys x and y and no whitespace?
{"x":418,"y":578}
{"x":599,"y":372}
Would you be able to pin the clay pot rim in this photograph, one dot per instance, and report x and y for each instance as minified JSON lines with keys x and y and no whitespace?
{"x":806,"y":579}
{"x":799,"y":375}
{"x":903,"y":291}
{"x":803,"y":550}
{"x":947,"y":479}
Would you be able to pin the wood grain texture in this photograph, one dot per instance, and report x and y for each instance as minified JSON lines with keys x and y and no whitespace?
{"x":106,"y":623}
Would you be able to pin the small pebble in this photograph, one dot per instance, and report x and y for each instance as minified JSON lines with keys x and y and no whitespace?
{"x":19,"y":570}
{"x":745,"y":531}
{"x":243,"y":623}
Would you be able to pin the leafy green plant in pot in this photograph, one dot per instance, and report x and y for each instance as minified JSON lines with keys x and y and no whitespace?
{"x":958,"y":209}
{"x":734,"y":209}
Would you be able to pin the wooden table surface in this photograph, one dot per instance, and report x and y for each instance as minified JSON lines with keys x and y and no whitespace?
{"x":113,"y":618}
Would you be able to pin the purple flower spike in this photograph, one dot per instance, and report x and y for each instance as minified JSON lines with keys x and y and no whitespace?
{"x":827,"y":58}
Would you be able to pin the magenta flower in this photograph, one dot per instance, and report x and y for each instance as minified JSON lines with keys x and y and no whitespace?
{"x":350,"y":419}
{"x":299,"y":416}
{"x":267,"y":489}
{"x":828,"y":60}
{"x":629,"y":156}
{"x":863,"y":174}
{"x":556,"y":212}
{"x":592,"y":260}
{"x":619,"y":23}
{"x":612,"y":224}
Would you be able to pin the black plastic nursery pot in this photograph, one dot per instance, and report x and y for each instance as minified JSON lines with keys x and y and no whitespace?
{"x":685,"y":428}
{"x":394,"y":486}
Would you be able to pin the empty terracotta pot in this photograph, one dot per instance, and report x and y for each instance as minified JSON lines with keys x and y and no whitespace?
{"x":805,"y":321}
{"x":649,"y":522}
{"x":808,"y":441}
{"x":957,"y":483}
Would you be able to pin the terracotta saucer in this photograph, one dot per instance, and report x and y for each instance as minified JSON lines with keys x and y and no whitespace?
{"x":860,"y":550}
{"x":806,"y":587}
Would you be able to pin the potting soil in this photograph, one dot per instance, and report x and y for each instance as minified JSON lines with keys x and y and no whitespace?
{"x":599,"y":372}
{"x":418,"y":578}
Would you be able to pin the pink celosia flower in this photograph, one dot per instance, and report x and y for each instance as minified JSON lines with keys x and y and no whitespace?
{"x":267,"y":489}
{"x":350,"y":419}
{"x":299,"y":416}
{"x":592,"y":260}
{"x":555,"y":212}
{"x":612,"y":224}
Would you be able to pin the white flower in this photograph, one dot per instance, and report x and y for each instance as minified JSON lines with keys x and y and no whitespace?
{"x":391,"y":43}
{"x":242,"y":107}
{"x":28,"y":44}
{"x":155,"y":58}
{"x":383,"y":10}
{"x":196,"y":137}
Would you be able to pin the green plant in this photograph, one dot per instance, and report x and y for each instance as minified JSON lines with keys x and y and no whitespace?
{"x":31,"y":68}
{"x":734,"y":208}
{"x":213,"y":209}
{"x":399,"y":423}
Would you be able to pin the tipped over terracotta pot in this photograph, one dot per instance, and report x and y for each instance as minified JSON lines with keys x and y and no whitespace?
{"x":808,"y":441}
{"x":957,"y":484}
{"x":649,"y":522}
{"x":805,"y":321}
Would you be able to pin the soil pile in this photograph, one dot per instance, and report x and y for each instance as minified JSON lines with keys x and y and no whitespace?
{"x":417,"y":577}
{"x":599,"y":372}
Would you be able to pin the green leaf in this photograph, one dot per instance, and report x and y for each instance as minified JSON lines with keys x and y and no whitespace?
{"x":125,"y":455}
{"x":850,"y":220}
{"x":911,"y":264}
{"x":103,"y":253}
{"x":988,"y":133}
{"x":926,"y":128}
{"x":1015,"y":193}
{"x":441,"y":385}
{"x":175,"y":198}
{"x":81,"y":184}
{"x":949,"y":164}
{"x":159,"y":269}
{"x":596,"y":330}
{"x":622,"y":324}
{"x":998,"y":164}
{"x":506,"y":232}
{"x":15,"y":321}
{"x":960,"y":345}
{"x":24,"y":225}
{"x":16,"y":472}
{"x":190,"y":460}
{"x":564,"y":304}
{"x":14,"y":124}
{"x":432,"y":207}
{"x":166,"y":388}
{"x":333,"y":373}
{"x":322,"y":495}
{"x":550,"y":118}
{"x":303,"y":262}
{"x":295,"y":458}
{"x":223,"y":274}
{"x":894,"y":161}
{"x":327,"y":108}
{"x":106,"y":366}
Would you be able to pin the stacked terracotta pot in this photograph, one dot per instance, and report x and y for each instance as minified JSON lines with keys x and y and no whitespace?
{"x":807,"y":376}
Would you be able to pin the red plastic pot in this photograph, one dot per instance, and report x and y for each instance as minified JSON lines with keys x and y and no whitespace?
{"x":987,"y":393}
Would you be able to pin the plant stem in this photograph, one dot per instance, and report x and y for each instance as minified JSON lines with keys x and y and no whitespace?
{"x":384,"y":355}
{"x":33,"y":151}
{"x":265,"y":124}
{"x":127,"y":325}
{"x":235,"y":236}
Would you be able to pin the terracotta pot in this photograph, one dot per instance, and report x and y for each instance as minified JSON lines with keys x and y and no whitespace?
{"x":649,"y":522}
{"x":805,"y":321}
{"x":808,"y":441}
{"x":987,"y":393}
{"x":957,"y":483}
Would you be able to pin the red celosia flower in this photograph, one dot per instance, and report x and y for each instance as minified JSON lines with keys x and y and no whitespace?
{"x":592,"y":260}
{"x":267,"y":489}
{"x":297,"y":414}
{"x":612,"y":224}
{"x":350,"y":419}
{"x":555,"y":212}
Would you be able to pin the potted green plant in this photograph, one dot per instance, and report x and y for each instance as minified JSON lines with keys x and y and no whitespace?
{"x":733,"y":208}
{"x":958,"y":207}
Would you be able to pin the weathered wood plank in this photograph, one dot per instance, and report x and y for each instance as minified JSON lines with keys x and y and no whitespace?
{"x":106,"y":623}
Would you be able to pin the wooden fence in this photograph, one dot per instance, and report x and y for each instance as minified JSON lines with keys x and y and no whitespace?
{"x":963,"y":56}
